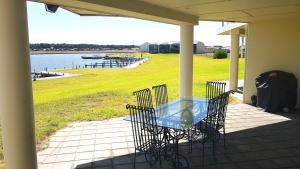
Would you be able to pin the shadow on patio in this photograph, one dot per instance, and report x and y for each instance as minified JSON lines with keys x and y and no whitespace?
{"x":255,"y":139}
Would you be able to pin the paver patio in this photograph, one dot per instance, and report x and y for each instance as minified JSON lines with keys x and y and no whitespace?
{"x":255,"y":139}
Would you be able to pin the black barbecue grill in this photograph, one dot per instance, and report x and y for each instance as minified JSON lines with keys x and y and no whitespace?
{"x":276,"y":91}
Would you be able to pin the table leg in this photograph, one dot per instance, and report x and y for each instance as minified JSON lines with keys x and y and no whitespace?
{"x":171,"y":153}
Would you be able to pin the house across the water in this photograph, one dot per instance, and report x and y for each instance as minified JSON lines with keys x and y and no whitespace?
{"x":169,"y":47}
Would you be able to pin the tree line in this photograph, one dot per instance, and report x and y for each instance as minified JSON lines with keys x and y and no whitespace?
{"x":79,"y":47}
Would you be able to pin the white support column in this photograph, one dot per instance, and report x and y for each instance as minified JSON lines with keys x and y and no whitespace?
{"x":243,"y":46}
{"x":234,"y":59}
{"x":186,"y":60}
{"x":16,"y":103}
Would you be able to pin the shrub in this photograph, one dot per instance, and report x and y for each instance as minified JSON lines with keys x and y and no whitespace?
{"x":220,"y":54}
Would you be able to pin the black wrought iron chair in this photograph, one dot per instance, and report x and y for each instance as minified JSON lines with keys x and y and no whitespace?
{"x":143,"y":97}
{"x":143,"y":122}
{"x":214,"y":89}
{"x":222,"y":109}
{"x":161,"y":94}
{"x":207,"y":132}
{"x":161,"y":97}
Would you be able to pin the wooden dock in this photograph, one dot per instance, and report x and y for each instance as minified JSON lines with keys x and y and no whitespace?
{"x":113,"y":62}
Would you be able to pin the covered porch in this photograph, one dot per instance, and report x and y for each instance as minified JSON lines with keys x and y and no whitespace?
{"x":251,"y":143}
{"x":272,"y":32}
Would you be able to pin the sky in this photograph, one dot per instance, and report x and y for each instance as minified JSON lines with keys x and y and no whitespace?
{"x":66,"y":27}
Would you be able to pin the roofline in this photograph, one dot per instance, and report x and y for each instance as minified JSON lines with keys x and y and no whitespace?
{"x":226,"y":30}
{"x":138,"y":9}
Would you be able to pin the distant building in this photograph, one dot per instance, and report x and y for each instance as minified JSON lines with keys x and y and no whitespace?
{"x":211,"y":49}
{"x":169,"y":47}
{"x":148,"y":47}
{"x":174,"y":48}
{"x":164,"y":48}
{"x":145,"y":47}
{"x":153,"y":48}
{"x":200,"y":47}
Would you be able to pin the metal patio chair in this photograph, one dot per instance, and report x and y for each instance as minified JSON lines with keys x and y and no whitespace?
{"x":214,"y":89}
{"x":161,"y":94}
{"x":222,"y":109}
{"x":143,"y":122}
{"x":143,"y":97}
{"x":207,"y":132}
{"x":161,"y":97}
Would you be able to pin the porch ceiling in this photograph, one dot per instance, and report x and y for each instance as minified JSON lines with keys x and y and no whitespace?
{"x":177,"y":11}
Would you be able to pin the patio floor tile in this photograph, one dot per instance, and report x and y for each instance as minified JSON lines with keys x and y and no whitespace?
{"x":66,"y":150}
{"x":103,"y":154}
{"x":65,"y":157}
{"x":86,"y":148}
{"x":84,"y":155}
{"x":103,"y":147}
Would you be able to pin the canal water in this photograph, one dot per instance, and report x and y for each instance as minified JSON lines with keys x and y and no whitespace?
{"x":60,"y":61}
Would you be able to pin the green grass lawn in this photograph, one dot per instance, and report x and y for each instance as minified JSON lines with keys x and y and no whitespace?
{"x":103,"y":93}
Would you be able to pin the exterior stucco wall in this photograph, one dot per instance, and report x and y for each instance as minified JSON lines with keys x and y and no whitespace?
{"x":272,"y":45}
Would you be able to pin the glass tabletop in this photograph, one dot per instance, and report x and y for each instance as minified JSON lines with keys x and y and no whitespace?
{"x":181,"y":113}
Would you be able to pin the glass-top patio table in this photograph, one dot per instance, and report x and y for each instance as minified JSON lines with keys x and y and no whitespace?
{"x":181,"y":114}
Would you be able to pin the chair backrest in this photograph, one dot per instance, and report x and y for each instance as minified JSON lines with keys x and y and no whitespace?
{"x":211,"y":117}
{"x":222,"y":108}
{"x":144,"y":127}
{"x":161,"y":94}
{"x":214,"y":89}
{"x":143,"y":97}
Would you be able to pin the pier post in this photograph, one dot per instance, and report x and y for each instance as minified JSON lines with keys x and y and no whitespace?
{"x":16,"y":102}
{"x":186,"y":61}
